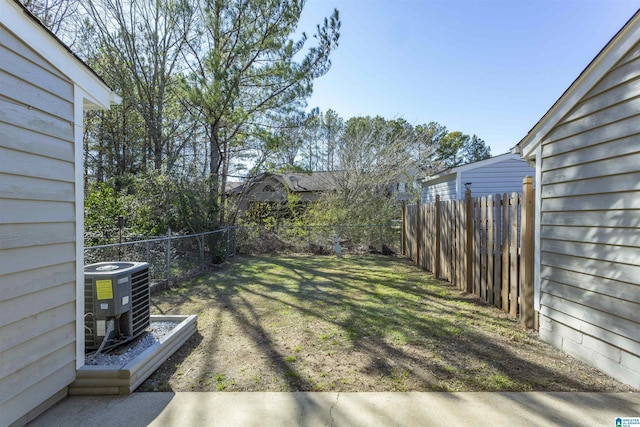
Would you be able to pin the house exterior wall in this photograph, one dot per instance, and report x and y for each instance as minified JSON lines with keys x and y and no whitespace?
{"x":446,"y":188}
{"x":589,"y":229}
{"x":503,"y":177}
{"x":38,"y":230}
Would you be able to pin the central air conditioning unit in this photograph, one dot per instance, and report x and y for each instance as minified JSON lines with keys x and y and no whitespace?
{"x":116,"y":303}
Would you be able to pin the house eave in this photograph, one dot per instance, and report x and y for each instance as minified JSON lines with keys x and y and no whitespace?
{"x":98,"y":95}
{"x":621,"y":43}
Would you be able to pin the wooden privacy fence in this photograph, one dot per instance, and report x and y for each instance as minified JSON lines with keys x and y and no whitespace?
{"x":482,"y":245}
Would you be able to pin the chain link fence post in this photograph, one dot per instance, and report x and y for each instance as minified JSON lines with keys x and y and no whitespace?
{"x":169,"y":256}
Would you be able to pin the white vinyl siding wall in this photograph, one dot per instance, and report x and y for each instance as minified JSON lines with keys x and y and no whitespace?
{"x":497,"y":175}
{"x":590,"y":226}
{"x":446,"y":190}
{"x":499,"y":178}
{"x":37,"y":230}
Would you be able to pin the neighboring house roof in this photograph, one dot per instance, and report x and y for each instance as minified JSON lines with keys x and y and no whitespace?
{"x":447,"y":173}
{"x":617,"y":47}
{"x":293,"y":181}
{"x":97,"y":94}
{"x":316,"y":181}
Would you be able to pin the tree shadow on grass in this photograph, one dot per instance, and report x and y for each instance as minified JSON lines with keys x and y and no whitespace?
{"x":397,"y":326}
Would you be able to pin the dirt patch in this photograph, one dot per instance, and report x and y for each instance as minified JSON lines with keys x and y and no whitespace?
{"x":369,"y":323}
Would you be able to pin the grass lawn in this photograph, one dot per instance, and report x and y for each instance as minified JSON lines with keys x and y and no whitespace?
{"x":366,"y":323}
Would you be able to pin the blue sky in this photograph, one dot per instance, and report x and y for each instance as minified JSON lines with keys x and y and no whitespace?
{"x":490,"y":68}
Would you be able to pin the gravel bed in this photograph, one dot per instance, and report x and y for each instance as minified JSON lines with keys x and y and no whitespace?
{"x":152,"y":335}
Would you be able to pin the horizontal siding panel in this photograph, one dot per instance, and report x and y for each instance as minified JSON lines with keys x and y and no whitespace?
{"x":30,"y":351}
{"x":595,"y":235}
{"x":492,"y":179}
{"x":605,"y":218}
{"x":592,"y":267}
{"x":37,"y":234}
{"x":605,"y":167}
{"x":29,"y":188}
{"x":614,"y":324}
{"x":507,"y":166}
{"x":634,"y":53}
{"x":617,"y":76}
{"x":55,"y":363}
{"x":619,"y":147}
{"x":615,"y":254}
{"x":613,"y":131}
{"x":596,"y":185}
{"x":594,"y":331}
{"x":49,"y":81}
{"x":32,"y":142}
{"x":20,"y":115}
{"x":27,"y":282}
{"x":446,"y":190}
{"x":605,"y":117}
{"x":612,"y":288}
{"x":13,"y":211}
{"x":29,"y":305}
{"x":32,"y":327}
{"x":23,"y":259}
{"x":604,"y":100}
{"x":613,"y":201}
{"x":25,"y":164}
{"x":27,"y":93}
{"x":18,"y":47}
{"x":617,"y":307}
{"x":38,"y":394}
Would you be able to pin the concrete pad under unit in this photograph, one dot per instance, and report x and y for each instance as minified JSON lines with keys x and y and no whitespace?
{"x":123,"y":380}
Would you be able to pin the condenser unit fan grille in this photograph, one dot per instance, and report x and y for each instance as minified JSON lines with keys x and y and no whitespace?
{"x":140,"y":301}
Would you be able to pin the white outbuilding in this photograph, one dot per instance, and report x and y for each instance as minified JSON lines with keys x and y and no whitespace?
{"x":496,"y":175}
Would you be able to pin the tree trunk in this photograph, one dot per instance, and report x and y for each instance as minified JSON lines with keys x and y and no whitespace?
{"x":215,"y":159}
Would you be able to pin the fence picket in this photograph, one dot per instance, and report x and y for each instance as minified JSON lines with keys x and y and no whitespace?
{"x":482,"y":245}
{"x":513,"y":257}
{"x":497,"y":252}
{"x":490,"y":248}
{"x":505,"y":252}
{"x":483,"y":248}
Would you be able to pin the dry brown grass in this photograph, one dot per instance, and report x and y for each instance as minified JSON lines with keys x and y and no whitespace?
{"x":368,"y":323}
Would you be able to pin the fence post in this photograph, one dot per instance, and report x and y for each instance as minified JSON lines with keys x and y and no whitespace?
{"x":526,"y":253}
{"x":403,"y":233}
{"x":169,"y":256}
{"x":418,"y":233}
{"x":148,"y":248}
{"x":308,"y":238}
{"x":201,"y":244}
{"x":226,"y":256}
{"x":469,"y":240}
{"x":436,"y":232}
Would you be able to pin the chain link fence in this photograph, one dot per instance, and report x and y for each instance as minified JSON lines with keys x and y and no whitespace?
{"x":170,"y":257}
{"x":318,"y":239}
{"x":176,"y":257}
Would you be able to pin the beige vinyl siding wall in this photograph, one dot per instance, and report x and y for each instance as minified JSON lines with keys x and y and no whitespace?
{"x":590,"y":226}
{"x":37,"y":229}
{"x":499,"y":178}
